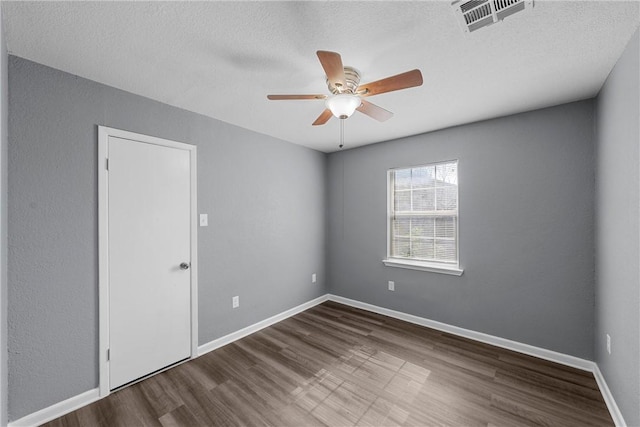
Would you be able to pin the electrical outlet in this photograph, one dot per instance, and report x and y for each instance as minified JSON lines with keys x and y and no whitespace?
{"x":392,"y":285}
{"x":313,"y":278}
{"x":608,"y":344}
{"x":235,"y":302}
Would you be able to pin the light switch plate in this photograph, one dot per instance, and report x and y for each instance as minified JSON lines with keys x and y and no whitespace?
{"x":204,"y":220}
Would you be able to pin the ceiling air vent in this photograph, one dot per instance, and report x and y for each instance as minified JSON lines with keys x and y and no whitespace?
{"x":475,"y":14}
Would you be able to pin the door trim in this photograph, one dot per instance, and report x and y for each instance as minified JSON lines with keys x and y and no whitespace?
{"x":103,"y":242}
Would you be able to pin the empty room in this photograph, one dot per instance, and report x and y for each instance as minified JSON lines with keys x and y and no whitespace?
{"x":320,"y":213}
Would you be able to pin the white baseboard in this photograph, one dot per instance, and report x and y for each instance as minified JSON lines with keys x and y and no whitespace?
{"x":57,"y":410}
{"x":228,"y":339}
{"x":542,"y":353}
{"x":608,"y":397}
{"x":576,"y":362}
{"x":73,"y":403}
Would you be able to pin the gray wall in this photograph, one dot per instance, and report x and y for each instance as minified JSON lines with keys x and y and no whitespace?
{"x":617,"y":310}
{"x":526,"y":228}
{"x":265,"y":199}
{"x":4,"y":99}
{"x":526,"y":206}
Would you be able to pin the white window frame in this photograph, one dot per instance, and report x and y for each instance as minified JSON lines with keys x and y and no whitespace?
{"x":414,"y":264}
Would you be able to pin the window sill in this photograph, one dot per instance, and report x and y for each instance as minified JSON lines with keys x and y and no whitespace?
{"x":423,"y":266}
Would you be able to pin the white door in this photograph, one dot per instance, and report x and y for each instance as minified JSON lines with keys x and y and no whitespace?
{"x":149,"y":245}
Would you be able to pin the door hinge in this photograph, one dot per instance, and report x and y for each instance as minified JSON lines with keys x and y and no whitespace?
{"x":108,"y":354}
{"x":106,"y":164}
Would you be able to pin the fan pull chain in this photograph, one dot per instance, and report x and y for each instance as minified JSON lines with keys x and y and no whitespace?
{"x":341,"y":133}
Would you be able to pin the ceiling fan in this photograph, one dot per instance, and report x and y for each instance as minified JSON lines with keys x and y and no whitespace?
{"x":347,"y":93}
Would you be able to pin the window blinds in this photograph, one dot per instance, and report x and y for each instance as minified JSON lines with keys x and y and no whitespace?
{"x":424,"y":213}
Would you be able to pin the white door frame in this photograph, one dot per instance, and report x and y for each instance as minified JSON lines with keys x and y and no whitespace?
{"x":103,"y":242}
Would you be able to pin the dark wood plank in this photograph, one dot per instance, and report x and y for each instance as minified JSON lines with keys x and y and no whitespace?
{"x":334,"y":365}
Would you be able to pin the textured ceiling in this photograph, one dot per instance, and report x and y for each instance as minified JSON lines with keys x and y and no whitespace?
{"x":221,"y":59}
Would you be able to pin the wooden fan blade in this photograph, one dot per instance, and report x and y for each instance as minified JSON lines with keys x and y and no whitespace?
{"x":287,"y":97}
{"x":332,"y":64}
{"x":323,"y":118}
{"x":373,"y":111}
{"x":400,"y":81}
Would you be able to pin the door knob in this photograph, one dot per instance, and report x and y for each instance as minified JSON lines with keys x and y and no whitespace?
{"x":184,"y":266}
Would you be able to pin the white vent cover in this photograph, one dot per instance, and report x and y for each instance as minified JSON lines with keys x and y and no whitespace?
{"x":475,"y":14}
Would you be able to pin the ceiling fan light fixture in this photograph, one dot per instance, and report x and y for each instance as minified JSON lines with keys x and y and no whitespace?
{"x":343,"y":105}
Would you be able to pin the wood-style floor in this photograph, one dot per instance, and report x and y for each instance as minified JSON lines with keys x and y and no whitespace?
{"x":339,"y":366}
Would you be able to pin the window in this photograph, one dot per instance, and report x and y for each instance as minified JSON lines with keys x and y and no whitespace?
{"x":423,"y":218}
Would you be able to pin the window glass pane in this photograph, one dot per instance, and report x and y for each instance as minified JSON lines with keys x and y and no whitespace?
{"x":446,"y":250}
{"x":447,"y":173}
{"x":423,"y":176}
{"x":447,"y":197}
{"x":402,"y":201}
{"x":422,"y":249}
{"x":401,"y":226}
{"x":400,"y":247}
{"x":424,"y":200}
{"x":402,"y":179}
{"x":422,"y":227}
{"x":446,"y":227}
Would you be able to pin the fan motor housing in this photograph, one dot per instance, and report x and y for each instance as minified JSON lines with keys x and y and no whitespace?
{"x":352,"y":79}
